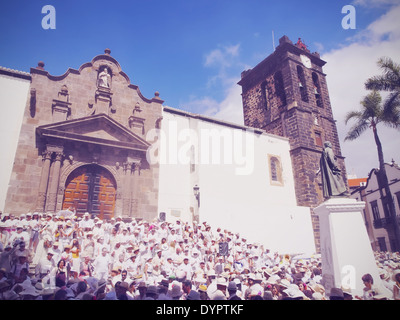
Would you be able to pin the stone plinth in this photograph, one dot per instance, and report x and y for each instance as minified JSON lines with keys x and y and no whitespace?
{"x":345,"y":248}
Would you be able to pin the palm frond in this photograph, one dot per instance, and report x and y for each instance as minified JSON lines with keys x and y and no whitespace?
{"x":389,"y":80}
{"x":357,"y":130}
{"x":352,"y":115}
{"x":391,"y":104}
{"x":392,"y":125}
{"x":380,"y":83}
{"x":389,"y":66}
{"x":372,"y":105}
{"x":391,"y":111}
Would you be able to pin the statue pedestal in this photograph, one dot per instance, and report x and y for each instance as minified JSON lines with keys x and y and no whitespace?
{"x":345,"y":247}
{"x":103,"y":100}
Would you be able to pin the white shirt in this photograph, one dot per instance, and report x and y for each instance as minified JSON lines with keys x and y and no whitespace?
{"x":89,"y":223}
{"x":101,"y":263}
{"x":22,"y":236}
{"x":45,"y":265}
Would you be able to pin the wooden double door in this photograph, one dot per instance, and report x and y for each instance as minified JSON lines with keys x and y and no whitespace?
{"x":92,"y":189}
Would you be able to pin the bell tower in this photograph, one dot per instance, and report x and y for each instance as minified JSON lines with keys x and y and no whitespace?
{"x":286,"y":94}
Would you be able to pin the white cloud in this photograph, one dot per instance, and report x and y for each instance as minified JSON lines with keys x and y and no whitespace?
{"x":225,"y":60}
{"x":222,"y":60}
{"x":386,"y":27}
{"x":319,"y":46}
{"x":347,"y":70}
{"x":229,"y":109}
{"x":375,"y":3}
{"x":204,"y":105}
{"x":215,"y":56}
{"x":222,"y":57}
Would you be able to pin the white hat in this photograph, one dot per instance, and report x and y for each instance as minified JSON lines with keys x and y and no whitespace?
{"x":284,"y":283}
{"x":271,"y":280}
{"x":176,"y":290}
{"x":31,"y":290}
{"x":218,"y":295}
{"x":211,"y":273}
{"x":258,"y":276}
{"x":317,"y":296}
{"x":222,"y":281}
{"x":293,"y":291}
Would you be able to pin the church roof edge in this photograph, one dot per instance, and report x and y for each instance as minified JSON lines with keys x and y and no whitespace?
{"x":220,"y":122}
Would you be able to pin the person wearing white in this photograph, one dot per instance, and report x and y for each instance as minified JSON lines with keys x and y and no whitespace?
{"x":20,"y":235}
{"x":45,"y":265}
{"x":101,"y":265}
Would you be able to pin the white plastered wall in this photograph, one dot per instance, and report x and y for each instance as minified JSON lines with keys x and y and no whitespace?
{"x":236,"y":191}
{"x":13,"y":98}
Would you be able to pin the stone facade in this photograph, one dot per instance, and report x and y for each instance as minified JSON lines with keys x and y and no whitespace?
{"x":91,"y":117}
{"x":381,"y":226}
{"x":287,"y":94}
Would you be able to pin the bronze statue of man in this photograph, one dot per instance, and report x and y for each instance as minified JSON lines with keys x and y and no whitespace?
{"x":332,"y":180}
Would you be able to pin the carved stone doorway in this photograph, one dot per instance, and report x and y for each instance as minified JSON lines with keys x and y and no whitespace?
{"x":92,"y":189}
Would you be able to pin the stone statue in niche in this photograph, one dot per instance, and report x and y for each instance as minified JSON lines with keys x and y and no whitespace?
{"x":316,"y":121}
{"x":104,"y":78}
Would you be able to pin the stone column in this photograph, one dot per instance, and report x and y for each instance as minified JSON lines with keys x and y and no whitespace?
{"x":126,"y":202}
{"x":44,"y":180}
{"x":53,"y":189}
{"x":130,"y":198}
{"x":134,"y":188}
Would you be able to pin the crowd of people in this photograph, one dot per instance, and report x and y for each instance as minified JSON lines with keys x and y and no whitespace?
{"x":68,"y":257}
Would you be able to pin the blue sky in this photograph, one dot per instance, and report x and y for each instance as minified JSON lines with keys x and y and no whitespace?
{"x":162,"y":45}
{"x":193,"y":52}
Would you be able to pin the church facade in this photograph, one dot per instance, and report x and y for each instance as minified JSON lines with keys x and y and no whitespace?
{"x":82,"y":144}
{"x":91,"y":142}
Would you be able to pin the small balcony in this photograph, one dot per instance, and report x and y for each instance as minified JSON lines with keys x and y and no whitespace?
{"x":385,"y":222}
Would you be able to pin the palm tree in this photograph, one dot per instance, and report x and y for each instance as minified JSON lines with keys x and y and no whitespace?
{"x":374,"y":112}
{"x":371,"y":114}
{"x":389,"y":80}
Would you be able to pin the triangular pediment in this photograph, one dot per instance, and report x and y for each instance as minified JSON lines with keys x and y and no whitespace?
{"x":98,"y":129}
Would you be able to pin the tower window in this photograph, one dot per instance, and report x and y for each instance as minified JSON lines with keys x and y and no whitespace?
{"x":264,"y":93}
{"x":280,"y":89}
{"x":302,"y":84}
{"x":317,"y":90}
